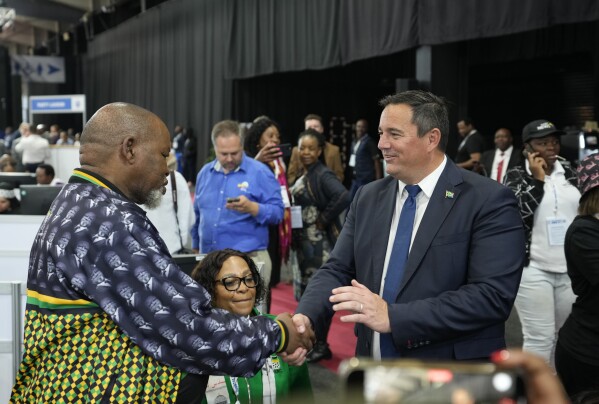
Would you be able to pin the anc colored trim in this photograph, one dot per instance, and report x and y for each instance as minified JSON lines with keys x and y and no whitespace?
{"x":89,"y":178}
{"x":49,"y":302}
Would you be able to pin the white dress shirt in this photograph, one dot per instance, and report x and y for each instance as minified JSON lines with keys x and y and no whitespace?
{"x":507,"y":154}
{"x":163,"y":217}
{"x":427,"y":186}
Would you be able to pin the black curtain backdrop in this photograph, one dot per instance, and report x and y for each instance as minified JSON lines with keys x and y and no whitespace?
{"x":179,"y":59}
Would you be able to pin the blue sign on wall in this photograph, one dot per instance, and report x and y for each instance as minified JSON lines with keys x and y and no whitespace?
{"x":51,"y":104}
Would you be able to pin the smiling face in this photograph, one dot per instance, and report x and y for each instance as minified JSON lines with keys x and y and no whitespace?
{"x":271,"y":134}
{"x":243,"y":299}
{"x":408,"y":156}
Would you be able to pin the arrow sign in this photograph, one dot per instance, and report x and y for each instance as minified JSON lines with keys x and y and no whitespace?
{"x":45,"y":69}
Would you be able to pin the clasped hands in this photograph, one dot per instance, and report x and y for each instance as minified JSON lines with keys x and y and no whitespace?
{"x":363,"y":306}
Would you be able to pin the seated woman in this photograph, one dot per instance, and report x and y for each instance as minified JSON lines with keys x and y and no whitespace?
{"x":9,"y":204}
{"x":232,"y":279}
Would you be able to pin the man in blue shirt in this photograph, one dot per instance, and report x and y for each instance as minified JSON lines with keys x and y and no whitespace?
{"x":236,"y":199}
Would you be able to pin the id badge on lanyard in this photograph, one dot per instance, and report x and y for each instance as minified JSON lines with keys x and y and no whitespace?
{"x":556,"y":230}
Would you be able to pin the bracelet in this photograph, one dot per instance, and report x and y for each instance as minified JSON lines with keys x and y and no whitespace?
{"x":284,"y":336}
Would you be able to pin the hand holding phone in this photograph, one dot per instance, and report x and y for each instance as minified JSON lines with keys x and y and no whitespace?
{"x":269,"y":152}
{"x":285,"y":149}
{"x":536,"y":163}
{"x":232,"y":200}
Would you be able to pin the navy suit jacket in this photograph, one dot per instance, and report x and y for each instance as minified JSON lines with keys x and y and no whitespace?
{"x":462,"y":274}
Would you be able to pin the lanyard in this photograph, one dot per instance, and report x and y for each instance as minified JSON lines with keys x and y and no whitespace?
{"x":554,"y":196}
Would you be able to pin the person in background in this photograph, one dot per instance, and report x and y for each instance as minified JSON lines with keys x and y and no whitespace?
{"x":190,"y":156}
{"x":495,"y":163}
{"x":8,"y":164}
{"x":116,"y":326}
{"x":178,"y":143}
{"x":34,"y":149}
{"x":364,"y":159}
{"x":9,"y":138}
{"x":234,"y":283}
{"x":23,"y":131}
{"x":322,"y":198}
{"x":577,"y":349}
{"x":548,"y":198}
{"x":54,"y":134}
{"x":174,"y":217}
{"x":44,"y":175}
{"x":9,"y":204}
{"x":64,"y":139}
{"x":332,"y":155}
{"x":472,"y":146}
{"x":430,"y":257}
{"x":261,"y":142}
{"x":236,"y":199}
{"x":7,"y":130}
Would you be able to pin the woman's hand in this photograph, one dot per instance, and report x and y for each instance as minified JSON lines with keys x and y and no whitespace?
{"x":268,"y":153}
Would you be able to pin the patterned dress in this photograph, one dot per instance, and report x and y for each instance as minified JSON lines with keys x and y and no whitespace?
{"x":110,"y":317}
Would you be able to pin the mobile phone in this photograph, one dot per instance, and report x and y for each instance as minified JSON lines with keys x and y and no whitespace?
{"x":527,"y":149}
{"x":285,"y":149}
{"x":412,"y":381}
{"x":231,"y":200}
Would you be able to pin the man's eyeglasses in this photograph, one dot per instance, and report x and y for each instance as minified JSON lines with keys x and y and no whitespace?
{"x":232,"y":283}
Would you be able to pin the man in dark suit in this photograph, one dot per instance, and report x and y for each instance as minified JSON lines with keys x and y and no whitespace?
{"x":461,"y":276}
{"x":495,"y":163}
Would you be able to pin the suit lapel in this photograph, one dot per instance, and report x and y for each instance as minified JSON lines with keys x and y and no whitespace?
{"x":442,"y":200}
{"x":380,"y":235}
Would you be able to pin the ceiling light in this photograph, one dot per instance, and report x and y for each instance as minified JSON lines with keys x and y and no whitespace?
{"x":7,"y":15}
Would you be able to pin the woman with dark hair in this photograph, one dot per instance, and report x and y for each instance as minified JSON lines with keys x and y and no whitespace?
{"x":577,"y":349}
{"x":322,"y":198}
{"x":234,"y":283}
{"x":261,"y":142}
{"x":9,"y":204}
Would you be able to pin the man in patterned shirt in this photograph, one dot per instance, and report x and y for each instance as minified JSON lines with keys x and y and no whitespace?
{"x":86,"y":340}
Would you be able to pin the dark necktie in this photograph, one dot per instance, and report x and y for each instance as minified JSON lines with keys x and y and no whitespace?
{"x":397,"y":261}
{"x":500,"y":168}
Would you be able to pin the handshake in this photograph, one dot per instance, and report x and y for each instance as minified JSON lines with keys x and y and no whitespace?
{"x":301,"y":338}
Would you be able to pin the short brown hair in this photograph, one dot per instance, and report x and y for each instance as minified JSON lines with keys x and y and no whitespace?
{"x":589,"y":203}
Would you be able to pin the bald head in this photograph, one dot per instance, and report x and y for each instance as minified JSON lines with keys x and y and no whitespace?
{"x":125,"y":144}
{"x":107,"y":128}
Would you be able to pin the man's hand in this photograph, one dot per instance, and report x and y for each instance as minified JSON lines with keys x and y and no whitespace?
{"x":301,"y":340}
{"x":542,"y":386}
{"x":268,"y":153}
{"x":244,"y":205}
{"x":366,"y":307}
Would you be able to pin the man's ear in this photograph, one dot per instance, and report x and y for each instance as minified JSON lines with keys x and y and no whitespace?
{"x":127,"y":149}
{"x":433,"y":138}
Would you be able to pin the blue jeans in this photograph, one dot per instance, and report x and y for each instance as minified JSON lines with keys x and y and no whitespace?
{"x":544,"y":302}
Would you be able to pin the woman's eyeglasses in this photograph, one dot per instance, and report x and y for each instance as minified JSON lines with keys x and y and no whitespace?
{"x":232,"y":283}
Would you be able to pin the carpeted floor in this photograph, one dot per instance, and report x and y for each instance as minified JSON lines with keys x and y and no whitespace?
{"x":341,"y":335}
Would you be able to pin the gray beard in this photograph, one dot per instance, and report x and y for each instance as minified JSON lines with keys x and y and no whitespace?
{"x":153,"y":199}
